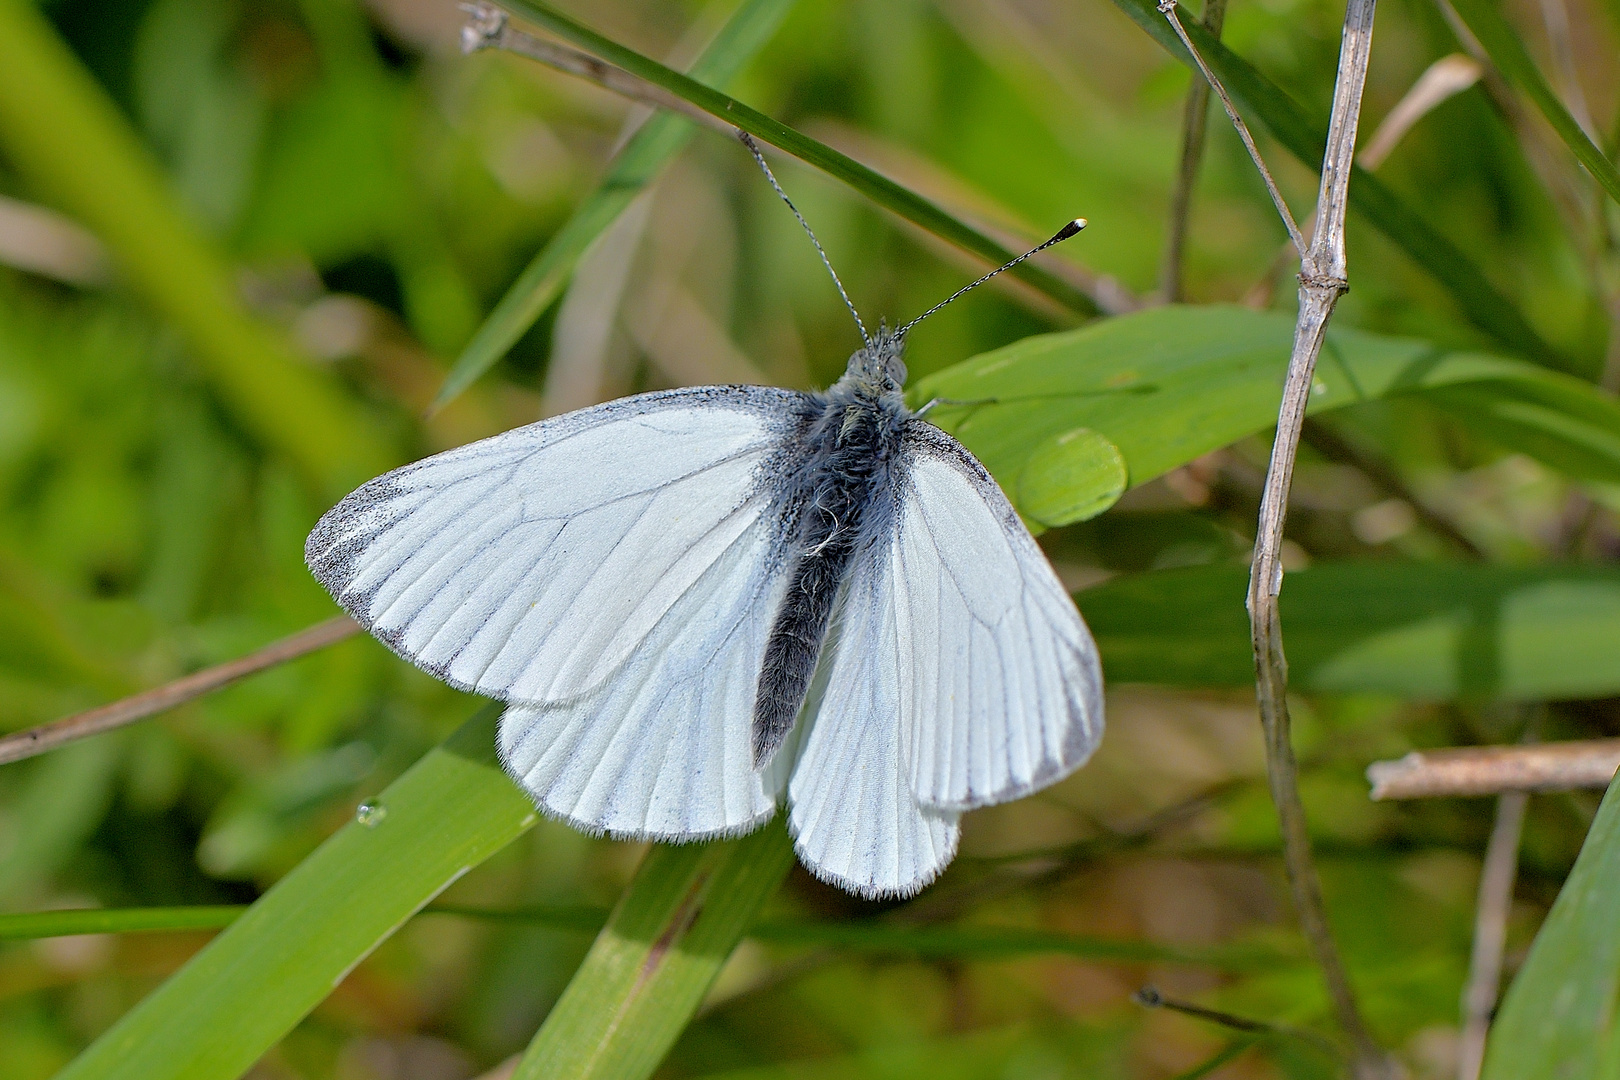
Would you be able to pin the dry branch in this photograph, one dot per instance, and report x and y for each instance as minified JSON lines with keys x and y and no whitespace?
{"x":37,"y":740}
{"x":1493,"y":770}
{"x":1490,"y":933}
{"x":1321,"y":281}
{"x":1168,"y":7}
{"x":1194,"y":123}
{"x":1442,"y":80}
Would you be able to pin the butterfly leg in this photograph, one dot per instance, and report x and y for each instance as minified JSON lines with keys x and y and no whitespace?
{"x":965,"y":403}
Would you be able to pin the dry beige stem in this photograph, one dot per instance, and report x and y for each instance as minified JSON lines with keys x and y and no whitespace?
{"x":37,"y":740}
{"x":1492,"y":770}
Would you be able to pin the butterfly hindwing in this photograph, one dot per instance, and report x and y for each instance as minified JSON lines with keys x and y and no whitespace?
{"x":1000,"y":684}
{"x":854,"y":818}
{"x":664,"y":750}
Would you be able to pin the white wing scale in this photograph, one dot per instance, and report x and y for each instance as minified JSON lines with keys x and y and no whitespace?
{"x":1000,"y":685}
{"x":854,"y":819}
{"x":664,"y":750}
{"x":527,"y":567}
{"x":611,"y":575}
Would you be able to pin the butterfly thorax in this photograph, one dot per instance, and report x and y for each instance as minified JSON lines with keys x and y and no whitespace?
{"x":837,"y":505}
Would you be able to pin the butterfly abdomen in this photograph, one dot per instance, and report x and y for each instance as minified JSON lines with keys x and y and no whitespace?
{"x":838,"y":503}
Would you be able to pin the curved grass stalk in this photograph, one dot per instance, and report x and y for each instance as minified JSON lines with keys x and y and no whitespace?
{"x":633,"y":167}
{"x":881,"y":190}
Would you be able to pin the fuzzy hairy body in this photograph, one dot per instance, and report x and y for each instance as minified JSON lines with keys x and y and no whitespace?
{"x":837,"y":502}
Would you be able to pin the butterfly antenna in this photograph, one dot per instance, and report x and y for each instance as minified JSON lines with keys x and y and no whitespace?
{"x":753,"y":148}
{"x":1063,"y":234}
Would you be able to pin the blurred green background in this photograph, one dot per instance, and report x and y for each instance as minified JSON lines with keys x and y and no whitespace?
{"x":373,"y":193}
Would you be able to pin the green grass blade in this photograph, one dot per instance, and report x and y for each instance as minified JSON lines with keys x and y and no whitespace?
{"x":661,"y":950}
{"x":238,"y":996}
{"x":26,"y":925}
{"x":1052,"y":1051}
{"x":61,"y":130}
{"x":1506,"y":49}
{"x":1560,"y":1017}
{"x":1426,"y":631}
{"x":663,"y":135}
{"x":1002,"y":943}
{"x":865,"y":937}
{"x":881,"y":190}
{"x":1305,"y":137}
{"x":1167,"y":385}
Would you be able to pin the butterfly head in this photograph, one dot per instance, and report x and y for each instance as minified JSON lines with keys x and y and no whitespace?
{"x":878,"y":367}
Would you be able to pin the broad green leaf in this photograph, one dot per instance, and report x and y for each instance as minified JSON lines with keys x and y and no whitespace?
{"x":61,"y":130}
{"x":1561,"y":421}
{"x":1070,"y":477}
{"x":1506,"y":48}
{"x":1169,"y":384}
{"x":658,"y":140}
{"x":1561,"y":1017}
{"x":661,"y":950}
{"x":1304,"y":136}
{"x":880,"y":189}
{"x":238,"y":996}
{"x":1422,"y":630}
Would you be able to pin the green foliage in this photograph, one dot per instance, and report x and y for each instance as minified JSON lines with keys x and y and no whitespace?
{"x":649,"y":149}
{"x":276,"y":182}
{"x":1417,"y":630}
{"x":58,"y":126}
{"x":1168,"y":385}
{"x":1507,"y":52}
{"x":1560,"y":1017}
{"x":881,"y":190}
{"x":1305,"y":136}
{"x":239,"y":996}
{"x":656,"y":958}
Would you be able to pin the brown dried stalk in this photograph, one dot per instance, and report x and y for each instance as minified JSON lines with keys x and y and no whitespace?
{"x":1493,"y":770}
{"x":37,"y":740}
{"x":1490,"y":933}
{"x":1321,"y":281}
{"x":1168,"y":7}
{"x":1194,"y":123}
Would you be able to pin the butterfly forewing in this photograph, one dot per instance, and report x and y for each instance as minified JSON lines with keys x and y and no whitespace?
{"x":531,"y":566}
{"x":1000,"y":686}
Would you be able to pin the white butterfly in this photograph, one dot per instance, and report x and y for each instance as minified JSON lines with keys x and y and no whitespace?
{"x":695,"y":600}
